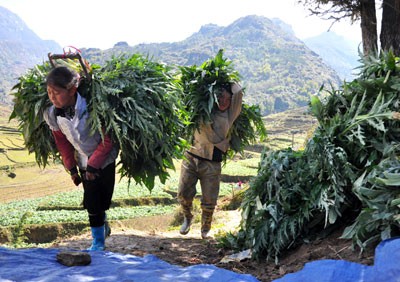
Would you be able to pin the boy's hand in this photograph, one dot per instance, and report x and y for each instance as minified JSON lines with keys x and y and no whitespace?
{"x":76,"y":179}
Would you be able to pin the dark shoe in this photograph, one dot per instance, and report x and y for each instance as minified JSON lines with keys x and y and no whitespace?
{"x":185,"y":228}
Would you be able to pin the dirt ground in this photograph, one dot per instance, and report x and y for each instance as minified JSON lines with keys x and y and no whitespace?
{"x":153,"y":237}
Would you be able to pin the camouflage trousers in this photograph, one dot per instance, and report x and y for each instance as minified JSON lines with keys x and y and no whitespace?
{"x":208,"y":173}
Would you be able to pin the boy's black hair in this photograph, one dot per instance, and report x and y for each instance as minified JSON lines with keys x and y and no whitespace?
{"x":227,"y":87}
{"x":61,"y":77}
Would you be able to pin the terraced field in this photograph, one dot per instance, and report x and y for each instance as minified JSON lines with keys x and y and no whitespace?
{"x":289,"y":129}
{"x":30,"y":182}
{"x":20,"y":177}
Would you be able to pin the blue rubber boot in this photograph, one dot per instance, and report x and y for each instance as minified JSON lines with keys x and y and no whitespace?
{"x":98,"y":234}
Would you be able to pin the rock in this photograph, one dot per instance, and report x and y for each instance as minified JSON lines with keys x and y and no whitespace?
{"x":69,"y":258}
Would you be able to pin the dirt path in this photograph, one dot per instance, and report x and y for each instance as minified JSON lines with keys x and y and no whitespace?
{"x":154,"y":238}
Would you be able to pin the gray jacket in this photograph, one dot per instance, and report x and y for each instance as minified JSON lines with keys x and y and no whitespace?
{"x":78,"y":133}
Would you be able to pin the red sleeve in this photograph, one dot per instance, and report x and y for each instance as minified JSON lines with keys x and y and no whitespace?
{"x":66,"y":149}
{"x":98,"y":157}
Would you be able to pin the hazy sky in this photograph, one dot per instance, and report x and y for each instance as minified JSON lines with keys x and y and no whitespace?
{"x":102,"y":23}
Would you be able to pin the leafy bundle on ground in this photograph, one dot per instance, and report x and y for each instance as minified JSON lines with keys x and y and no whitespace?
{"x":202,"y":85}
{"x":133,"y":98}
{"x":346,"y":175}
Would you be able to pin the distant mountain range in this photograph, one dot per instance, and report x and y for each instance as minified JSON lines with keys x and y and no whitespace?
{"x":337,"y":52}
{"x":278,"y":70}
{"x":20,"y":48}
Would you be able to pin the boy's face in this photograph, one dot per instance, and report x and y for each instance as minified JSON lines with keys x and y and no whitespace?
{"x":61,"y":97}
{"x":224,"y":100}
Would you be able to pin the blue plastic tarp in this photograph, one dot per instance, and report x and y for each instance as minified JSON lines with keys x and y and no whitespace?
{"x":41,"y":265}
{"x":386,"y":268}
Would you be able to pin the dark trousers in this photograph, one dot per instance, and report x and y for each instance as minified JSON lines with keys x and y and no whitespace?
{"x":98,"y":194}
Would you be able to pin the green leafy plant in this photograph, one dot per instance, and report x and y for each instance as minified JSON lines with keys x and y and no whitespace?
{"x":343,"y":172}
{"x":137,"y":101}
{"x":379,"y":192}
{"x":202,"y":86}
{"x":18,"y":237}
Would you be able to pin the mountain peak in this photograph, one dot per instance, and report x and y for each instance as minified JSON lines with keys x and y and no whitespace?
{"x":13,"y":28}
{"x":209,"y":28}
